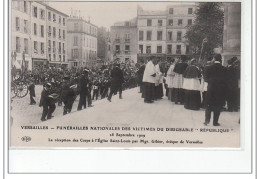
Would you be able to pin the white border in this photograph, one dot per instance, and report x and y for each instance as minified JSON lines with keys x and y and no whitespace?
{"x":173,"y":161}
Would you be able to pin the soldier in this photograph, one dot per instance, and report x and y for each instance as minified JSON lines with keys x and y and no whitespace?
{"x":45,"y":102}
{"x":32,"y":92}
{"x":67,"y":95}
{"x":83,"y":90}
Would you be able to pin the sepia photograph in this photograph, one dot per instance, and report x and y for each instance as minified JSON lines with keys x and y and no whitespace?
{"x":125,"y":74}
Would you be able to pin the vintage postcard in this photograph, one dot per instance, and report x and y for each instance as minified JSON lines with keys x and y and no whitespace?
{"x":125,"y":74}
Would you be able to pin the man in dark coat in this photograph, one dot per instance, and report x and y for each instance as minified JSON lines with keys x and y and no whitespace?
{"x":216,"y":91}
{"x":67,"y":95}
{"x":32,"y":92}
{"x":140,"y":74}
{"x":83,"y":90}
{"x":232,"y":85}
{"x":117,"y":79}
{"x":45,"y":102}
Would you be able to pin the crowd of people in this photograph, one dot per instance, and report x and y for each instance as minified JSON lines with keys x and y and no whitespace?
{"x":193,"y":84}
{"x":184,"y":81}
{"x":62,"y":86}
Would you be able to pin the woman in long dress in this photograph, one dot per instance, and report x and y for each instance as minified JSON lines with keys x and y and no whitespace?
{"x":169,"y":80}
{"x":191,"y":85}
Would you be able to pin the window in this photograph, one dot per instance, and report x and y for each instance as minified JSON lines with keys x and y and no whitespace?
{"x":189,"y":21}
{"x":35,"y":12}
{"x":159,"y":35}
{"x":179,"y":21}
{"x":178,"y":36}
{"x":35,"y":29}
{"x":117,"y":48}
{"x":127,"y":37}
{"x":54,"y":17}
{"x":187,"y":49}
{"x":49,"y":16}
{"x":42,"y":31}
{"x":169,"y":49}
{"x":149,"y":35}
{"x":60,"y":58}
{"x":63,"y":47}
{"x":50,"y":57}
{"x":170,"y":22}
{"x":54,"y":57}
{"x":141,"y":35}
{"x":59,"y":47}
{"x":64,"y":37}
{"x":59,"y":19}
{"x":170,"y":35}
{"x":35,"y":47}
{"x":75,"y":42}
{"x":63,"y":21}
{"x":190,"y":10}
{"x":59,"y":34}
{"x":54,"y":32}
{"x":149,"y":22}
{"x":159,"y":49}
{"x":160,"y":23}
{"x":42,"y":14}
{"x":178,"y":49}
{"x":170,"y":10}
{"x":26,"y":46}
{"x":18,"y":45}
{"x":17,"y":23}
{"x":54,"y":47}
{"x":63,"y":58}
{"x":42,"y":48}
{"x":75,"y":53}
{"x":76,"y":27}
{"x":25,"y":7}
{"x":141,"y":49}
{"x":25,"y":26}
{"x":148,"y":49}
{"x":49,"y":31}
{"x":49,"y":46}
{"x":127,"y":49}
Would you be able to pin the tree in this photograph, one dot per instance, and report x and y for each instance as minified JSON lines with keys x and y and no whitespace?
{"x":209,"y":24}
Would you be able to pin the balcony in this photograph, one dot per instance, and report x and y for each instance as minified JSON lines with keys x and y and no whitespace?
{"x":117,"y":51}
{"x":127,"y":40}
{"x":49,"y":34}
{"x":127,"y":51}
{"x":117,"y":40}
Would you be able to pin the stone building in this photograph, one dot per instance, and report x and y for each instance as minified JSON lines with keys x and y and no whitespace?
{"x":124,"y":39}
{"x":232,"y":31}
{"x":82,"y":38}
{"x":56,"y":38}
{"x":31,"y":35}
{"x":104,"y":52}
{"x":179,"y":17}
{"x":151,"y":27}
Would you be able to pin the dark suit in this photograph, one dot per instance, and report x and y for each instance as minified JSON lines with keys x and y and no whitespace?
{"x":216,"y":92}
{"x":83,"y":91}
{"x":117,"y":79}
{"x":232,"y":88}
{"x":32,"y":93}
{"x":45,"y":102}
{"x":68,"y":97}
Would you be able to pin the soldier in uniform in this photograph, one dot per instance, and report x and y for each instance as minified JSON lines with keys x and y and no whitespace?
{"x":67,"y":95}
{"x":117,"y":79}
{"x":32,"y":92}
{"x":83,"y":90}
{"x":45,"y":102}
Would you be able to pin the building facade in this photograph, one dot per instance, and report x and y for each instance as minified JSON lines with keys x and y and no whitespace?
{"x":32,"y":35}
{"x":56,"y":38}
{"x":151,"y":27}
{"x":124,"y":41}
{"x":179,"y":17}
{"x":82,"y":46}
{"x":21,"y":33}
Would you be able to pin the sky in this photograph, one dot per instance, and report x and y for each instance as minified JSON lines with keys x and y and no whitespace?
{"x":107,"y":13}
